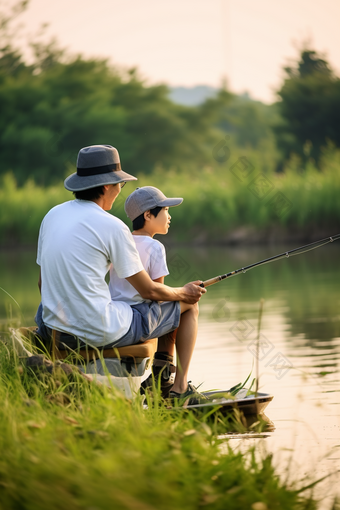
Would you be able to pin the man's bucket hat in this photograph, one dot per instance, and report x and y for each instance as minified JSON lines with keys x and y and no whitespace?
{"x":97,"y":165}
{"x":148,"y":197}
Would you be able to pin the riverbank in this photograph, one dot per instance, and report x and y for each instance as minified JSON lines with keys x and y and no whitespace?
{"x":251,"y":236}
{"x":246,"y":236}
{"x":69,"y":442}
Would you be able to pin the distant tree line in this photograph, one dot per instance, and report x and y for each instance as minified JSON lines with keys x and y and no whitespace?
{"x":52,"y":108}
{"x":57,"y":104}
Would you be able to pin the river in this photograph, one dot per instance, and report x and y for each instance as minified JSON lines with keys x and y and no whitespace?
{"x":300,"y":343}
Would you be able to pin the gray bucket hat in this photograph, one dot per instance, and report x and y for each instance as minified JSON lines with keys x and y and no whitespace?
{"x":97,"y":165}
{"x":145,"y":198}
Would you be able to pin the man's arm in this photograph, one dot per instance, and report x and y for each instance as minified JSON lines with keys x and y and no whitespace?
{"x":148,"y":289}
{"x":39,"y":281}
{"x":159,"y":280}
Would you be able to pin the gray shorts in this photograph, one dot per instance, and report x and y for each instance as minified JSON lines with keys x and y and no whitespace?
{"x":150,"y":320}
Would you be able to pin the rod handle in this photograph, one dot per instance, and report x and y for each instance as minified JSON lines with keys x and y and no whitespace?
{"x":211,"y":281}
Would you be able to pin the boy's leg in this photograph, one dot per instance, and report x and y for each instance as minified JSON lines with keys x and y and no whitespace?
{"x":184,"y":338}
{"x":185,"y":344}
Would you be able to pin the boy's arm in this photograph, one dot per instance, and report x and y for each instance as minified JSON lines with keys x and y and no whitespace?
{"x":155,"y":291}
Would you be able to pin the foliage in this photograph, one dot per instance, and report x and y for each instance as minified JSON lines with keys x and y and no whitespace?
{"x":22,"y":209}
{"x":11,"y":60}
{"x":249,"y":122}
{"x":310,"y":108}
{"x":60,"y":103}
{"x":70,"y":442}
{"x":216,"y":204}
{"x":46,"y":117}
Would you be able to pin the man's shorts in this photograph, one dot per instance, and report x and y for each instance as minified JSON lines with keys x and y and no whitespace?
{"x":150,"y":320}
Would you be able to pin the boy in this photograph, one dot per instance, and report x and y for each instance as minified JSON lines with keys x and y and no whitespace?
{"x":148,"y":208}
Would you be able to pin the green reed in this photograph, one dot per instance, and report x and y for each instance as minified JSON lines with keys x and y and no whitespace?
{"x":215,"y":203}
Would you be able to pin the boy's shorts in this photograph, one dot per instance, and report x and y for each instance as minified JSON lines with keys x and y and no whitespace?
{"x":150,"y":320}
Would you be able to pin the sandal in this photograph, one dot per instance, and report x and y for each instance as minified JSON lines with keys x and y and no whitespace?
{"x":190,"y":397}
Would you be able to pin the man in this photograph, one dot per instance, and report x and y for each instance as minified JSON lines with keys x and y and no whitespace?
{"x":77,"y":242}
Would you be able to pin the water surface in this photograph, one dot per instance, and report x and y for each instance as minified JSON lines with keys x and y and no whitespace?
{"x":299,"y":356}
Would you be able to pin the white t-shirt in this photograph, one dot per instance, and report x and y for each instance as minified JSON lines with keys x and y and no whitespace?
{"x":152,"y":254}
{"x":78,"y":240}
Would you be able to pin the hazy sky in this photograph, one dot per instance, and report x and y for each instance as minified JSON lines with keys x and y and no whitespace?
{"x":192,"y":42}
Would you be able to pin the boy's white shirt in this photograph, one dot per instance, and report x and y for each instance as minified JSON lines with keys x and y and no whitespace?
{"x":153,"y":257}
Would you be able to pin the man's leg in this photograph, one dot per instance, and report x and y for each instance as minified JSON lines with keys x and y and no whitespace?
{"x":163,"y":368}
{"x":167,"y":342}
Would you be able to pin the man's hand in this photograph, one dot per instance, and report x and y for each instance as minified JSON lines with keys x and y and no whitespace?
{"x":148,"y":289}
{"x":192,"y":292}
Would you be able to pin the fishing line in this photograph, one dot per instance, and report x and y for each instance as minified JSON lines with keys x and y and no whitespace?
{"x":291,"y":253}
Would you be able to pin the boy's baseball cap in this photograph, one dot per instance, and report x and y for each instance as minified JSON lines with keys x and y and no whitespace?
{"x":145,"y":198}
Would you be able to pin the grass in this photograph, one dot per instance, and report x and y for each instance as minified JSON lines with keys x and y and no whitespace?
{"x":66,"y":442}
{"x":216,"y":201}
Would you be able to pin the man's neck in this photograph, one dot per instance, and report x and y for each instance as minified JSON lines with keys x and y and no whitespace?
{"x":99,"y":201}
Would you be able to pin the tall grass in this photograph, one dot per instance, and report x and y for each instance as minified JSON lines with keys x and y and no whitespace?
{"x":23,"y":208}
{"x":70,"y":444}
{"x":216,"y":203}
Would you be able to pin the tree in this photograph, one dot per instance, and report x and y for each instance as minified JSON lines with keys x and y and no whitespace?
{"x":310,"y":108}
{"x":59,"y":103}
{"x":248,"y":121}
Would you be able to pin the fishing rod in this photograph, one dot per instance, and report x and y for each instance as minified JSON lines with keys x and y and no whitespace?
{"x":296,"y":251}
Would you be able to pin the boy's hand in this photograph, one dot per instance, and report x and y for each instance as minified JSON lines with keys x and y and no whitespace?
{"x":193,"y":292}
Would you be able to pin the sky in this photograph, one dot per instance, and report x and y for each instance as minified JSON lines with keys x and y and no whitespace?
{"x":195,"y":42}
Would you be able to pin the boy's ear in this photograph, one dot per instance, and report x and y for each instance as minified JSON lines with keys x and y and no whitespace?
{"x":147,"y":215}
